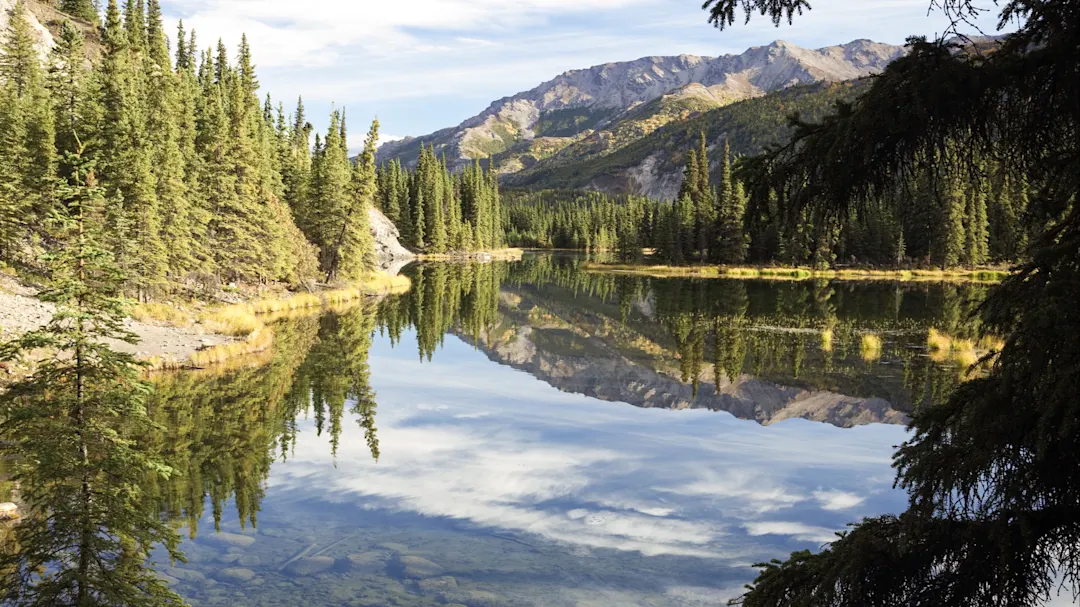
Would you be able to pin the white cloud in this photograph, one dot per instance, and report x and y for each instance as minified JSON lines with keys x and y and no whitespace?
{"x":838,"y":500}
{"x":799,"y":531}
{"x":313,"y":35}
{"x":512,"y":453}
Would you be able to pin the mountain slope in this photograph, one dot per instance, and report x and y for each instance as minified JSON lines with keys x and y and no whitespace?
{"x":652,"y":165}
{"x":609,"y":106}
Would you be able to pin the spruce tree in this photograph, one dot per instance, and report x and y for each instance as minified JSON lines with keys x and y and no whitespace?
{"x":82,"y":9}
{"x":27,"y":147}
{"x":75,"y":426}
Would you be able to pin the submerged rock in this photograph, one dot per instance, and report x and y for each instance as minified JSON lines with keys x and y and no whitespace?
{"x":249,"y":561}
{"x":310,"y":565}
{"x":370,"y":562}
{"x":187,"y":575}
{"x":230,"y":539}
{"x":416,"y":567}
{"x":236,"y":574}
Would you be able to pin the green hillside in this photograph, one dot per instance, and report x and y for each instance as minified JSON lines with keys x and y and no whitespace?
{"x":750,"y":125}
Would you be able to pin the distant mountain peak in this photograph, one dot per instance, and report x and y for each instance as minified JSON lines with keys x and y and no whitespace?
{"x":580,"y":101}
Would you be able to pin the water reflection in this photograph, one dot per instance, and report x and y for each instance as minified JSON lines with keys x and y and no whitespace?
{"x":515,"y":483}
{"x":841,"y":353}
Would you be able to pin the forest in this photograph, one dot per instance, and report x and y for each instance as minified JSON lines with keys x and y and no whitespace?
{"x":197,"y":181}
{"x":924,"y":222}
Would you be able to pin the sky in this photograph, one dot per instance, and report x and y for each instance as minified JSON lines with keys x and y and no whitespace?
{"x":422,"y":65}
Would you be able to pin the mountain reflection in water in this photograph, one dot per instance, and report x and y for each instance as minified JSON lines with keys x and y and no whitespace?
{"x":345,"y":467}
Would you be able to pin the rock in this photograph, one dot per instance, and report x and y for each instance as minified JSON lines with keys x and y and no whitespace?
{"x":187,"y":575}
{"x":438,"y":584}
{"x":8,"y":510}
{"x":473,"y":598}
{"x":249,"y":561}
{"x":370,"y":562}
{"x":168,"y":579}
{"x":228,"y":558}
{"x":310,"y":565}
{"x":416,"y":567}
{"x":389,"y":254}
{"x":230,"y":539}
{"x":236,"y":574}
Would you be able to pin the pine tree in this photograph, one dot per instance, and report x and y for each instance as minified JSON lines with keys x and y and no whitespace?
{"x":354,"y":250}
{"x":74,"y":427}
{"x":126,"y":170}
{"x":27,"y":147}
{"x":82,"y":9}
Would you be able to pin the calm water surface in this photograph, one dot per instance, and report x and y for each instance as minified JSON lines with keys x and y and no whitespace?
{"x":529,"y":434}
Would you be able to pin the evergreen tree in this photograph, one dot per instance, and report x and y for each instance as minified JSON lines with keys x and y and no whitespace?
{"x":27,"y":148}
{"x":74,"y":426}
{"x":83,"y":9}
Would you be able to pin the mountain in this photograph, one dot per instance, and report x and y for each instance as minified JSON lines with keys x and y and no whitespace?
{"x":606,"y":107}
{"x":652,"y":164}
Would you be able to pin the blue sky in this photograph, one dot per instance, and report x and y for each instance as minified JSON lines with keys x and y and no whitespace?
{"x":422,"y":65}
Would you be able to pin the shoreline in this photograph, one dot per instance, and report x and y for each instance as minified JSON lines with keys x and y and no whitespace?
{"x":978,"y":275}
{"x":193,"y":335}
{"x":508,"y":254}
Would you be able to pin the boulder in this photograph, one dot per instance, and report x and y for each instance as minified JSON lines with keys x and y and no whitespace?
{"x":229,"y":539}
{"x":236,"y":574}
{"x":416,"y":567}
{"x":187,"y":575}
{"x":8,"y":510}
{"x":390,"y":255}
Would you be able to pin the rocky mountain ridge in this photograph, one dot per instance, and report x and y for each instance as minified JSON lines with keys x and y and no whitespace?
{"x":583,"y":102}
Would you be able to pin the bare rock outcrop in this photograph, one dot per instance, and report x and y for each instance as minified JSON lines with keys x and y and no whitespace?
{"x":390,"y":255}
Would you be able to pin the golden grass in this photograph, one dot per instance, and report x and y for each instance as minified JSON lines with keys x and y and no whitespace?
{"x":826,"y":340}
{"x":938,"y":341}
{"x":870,"y":347}
{"x":257,"y":342}
{"x":963,"y":352}
{"x":159,"y":312}
{"x":249,"y":320}
{"x":237,"y":320}
{"x":802,"y":273}
{"x":509,"y":254}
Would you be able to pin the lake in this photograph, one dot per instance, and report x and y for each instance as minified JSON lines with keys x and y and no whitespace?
{"x":532,"y":434}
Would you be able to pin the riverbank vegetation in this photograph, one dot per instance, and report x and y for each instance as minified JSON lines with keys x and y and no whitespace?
{"x":959,"y":274}
{"x":439,"y":211}
{"x":925,"y":224}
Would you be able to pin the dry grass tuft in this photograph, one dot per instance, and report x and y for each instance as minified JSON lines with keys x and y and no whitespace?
{"x":158,"y":312}
{"x":870,"y":347}
{"x":826,"y":340}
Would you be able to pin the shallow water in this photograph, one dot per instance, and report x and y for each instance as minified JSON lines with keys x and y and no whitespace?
{"x":545,"y":437}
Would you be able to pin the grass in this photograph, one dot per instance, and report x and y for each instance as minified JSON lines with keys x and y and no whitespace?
{"x":248,"y":321}
{"x":495,"y":254}
{"x":803,"y":273}
{"x":870,"y":347}
{"x":826,"y":340}
{"x":237,"y":320}
{"x":963,"y":352}
{"x":159,"y":312}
